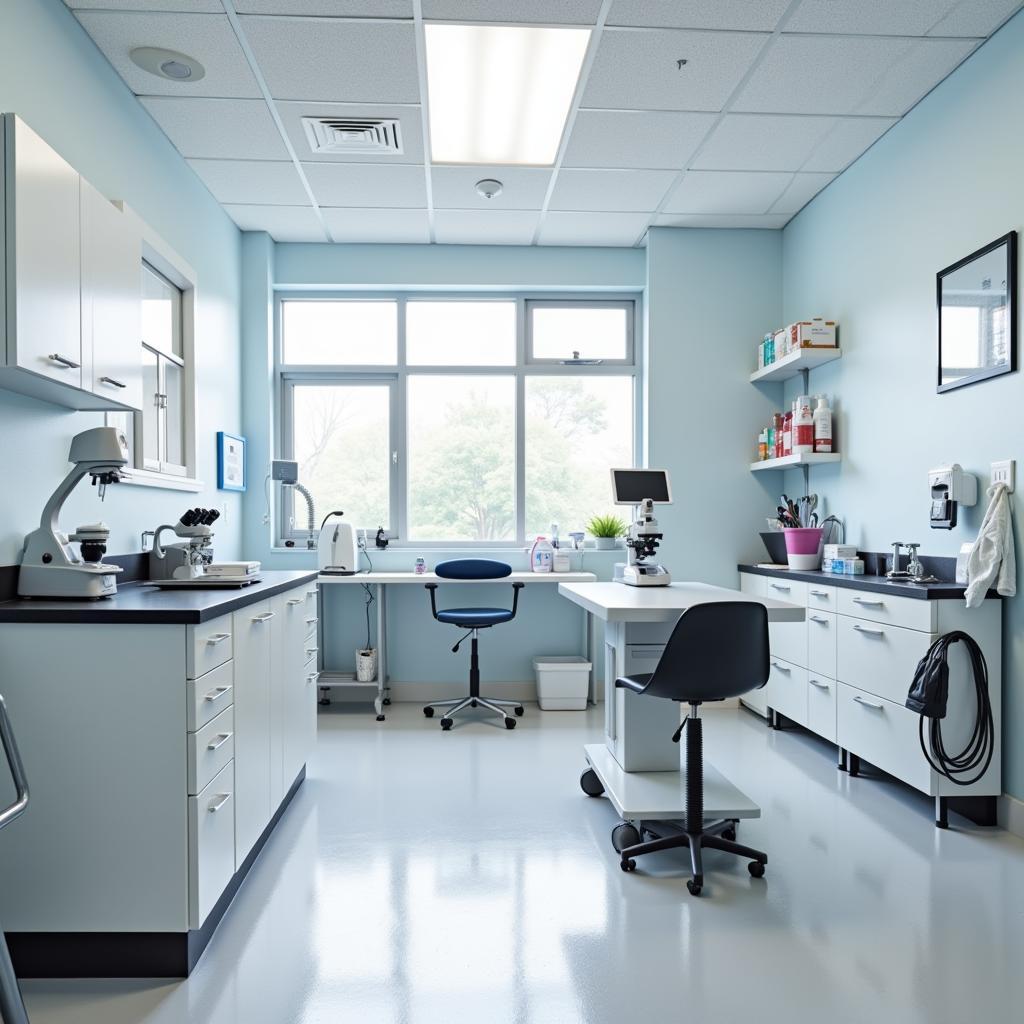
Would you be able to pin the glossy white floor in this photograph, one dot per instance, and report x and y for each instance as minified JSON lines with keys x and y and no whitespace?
{"x":422,"y":877}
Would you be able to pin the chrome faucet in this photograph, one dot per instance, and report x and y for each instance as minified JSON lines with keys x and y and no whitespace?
{"x":914,"y":567}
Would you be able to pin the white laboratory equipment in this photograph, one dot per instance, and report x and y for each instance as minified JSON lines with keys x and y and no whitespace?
{"x":643,"y":488}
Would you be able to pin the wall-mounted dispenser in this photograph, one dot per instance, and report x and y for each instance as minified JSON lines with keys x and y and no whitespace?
{"x":950,"y":486}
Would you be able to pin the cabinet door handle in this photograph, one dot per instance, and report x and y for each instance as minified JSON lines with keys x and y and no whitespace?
{"x":869,"y":632}
{"x":312,"y":677}
{"x":312,"y":622}
{"x":67,"y":364}
{"x":217,"y":638}
{"x":296,"y":600}
{"x":310,"y":651}
{"x":868,"y":703}
{"x":818,"y":618}
{"x":780,"y":586}
{"x":781,"y":668}
{"x":222,"y":799}
{"x":217,"y":693}
{"x":818,"y":683}
{"x":113,"y":382}
{"x":819,"y":593}
{"x":868,"y":604}
{"x":265,"y":617}
{"x":219,"y":742}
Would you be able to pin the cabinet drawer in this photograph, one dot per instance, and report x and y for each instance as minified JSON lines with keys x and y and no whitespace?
{"x":821,"y":642}
{"x":825,"y":598}
{"x":821,"y":706}
{"x":788,"y":641}
{"x":209,"y":644}
{"x":209,"y":696}
{"x":211,"y":844}
{"x":787,"y":690}
{"x":210,"y":749}
{"x":879,"y":659}
{"x":898,"y":611}
{"x":883,"y":733}
{"x":785,"y":590}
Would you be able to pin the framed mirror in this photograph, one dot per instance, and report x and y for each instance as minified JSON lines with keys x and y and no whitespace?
{"x":978,"y":315}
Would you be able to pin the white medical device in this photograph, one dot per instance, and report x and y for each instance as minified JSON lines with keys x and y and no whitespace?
{"x":49,"y":565}
{"x":950,"y":486}
{"x":337,"y":552}
{"x":643,"y":488}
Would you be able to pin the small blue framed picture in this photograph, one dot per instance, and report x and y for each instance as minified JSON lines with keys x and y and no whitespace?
{"x":230,"y":462}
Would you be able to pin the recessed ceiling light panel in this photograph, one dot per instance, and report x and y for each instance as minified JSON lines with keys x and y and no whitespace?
{"x":178,"y":67}
{"x":500,"y":94}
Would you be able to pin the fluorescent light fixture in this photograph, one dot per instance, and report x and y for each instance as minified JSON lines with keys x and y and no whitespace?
{"x":500,"y":94}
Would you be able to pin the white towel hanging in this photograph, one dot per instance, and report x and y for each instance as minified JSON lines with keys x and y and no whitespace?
{"x":992,"y":559}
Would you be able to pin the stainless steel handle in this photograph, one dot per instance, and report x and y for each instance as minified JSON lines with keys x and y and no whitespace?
{"x":219,"y":803}
{"x":818,"y":618}
{"x":870,"y":632}
{"x":217,"y":638}
{"x":819,"y":593}
{"x":68,"y":364}
{"x":8,"y":814}
{"x":114,"y":382}
{"x":781,"y":668}
{"x":780,"y":586}
{"x":265,"y":617}
{"x":310,"y":651}
{"x":217,"y":693}
{"x":645,"y":655}
{"x":219,"y":742}
{"x":818,"y":683}
{"x":868,"y":604}
{"x":868,"y":703}
{"x":312,"y":622}
{"x":296,"y":600}
{"x":312,"y":677}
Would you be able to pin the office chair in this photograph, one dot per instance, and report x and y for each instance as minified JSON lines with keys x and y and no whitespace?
{"x":473,"y":620}
{"x":715,"y":652}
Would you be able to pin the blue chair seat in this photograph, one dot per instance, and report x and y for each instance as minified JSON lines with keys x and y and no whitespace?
{"x":474,"y":617}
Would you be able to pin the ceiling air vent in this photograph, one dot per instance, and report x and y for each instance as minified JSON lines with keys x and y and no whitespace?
{"x":353,"y":135}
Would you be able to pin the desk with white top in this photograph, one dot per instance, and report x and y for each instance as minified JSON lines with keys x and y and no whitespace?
{"x":381,"y":581}
{"x":638,"y":765}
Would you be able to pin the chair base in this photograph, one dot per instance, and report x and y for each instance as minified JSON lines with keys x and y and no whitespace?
{"x":461,"y":703}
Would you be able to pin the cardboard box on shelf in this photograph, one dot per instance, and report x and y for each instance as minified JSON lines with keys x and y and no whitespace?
{"x":816,"y":333}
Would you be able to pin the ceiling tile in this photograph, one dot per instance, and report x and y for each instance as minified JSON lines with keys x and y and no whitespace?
{"x":282,"y":223}
{"x":553,"y":12}
{"x":336,"y":60}
{"x":384,"y":186}
{"x":753,"y":15}
{"x":622,"y":190}
{"x":869,"y":17}
{"x":485,"y":227}
{"x":635,"y":138}
{"x":234,"y":129}
{"x":802,"y":189}
{"x":927,"y":63}
{"x":391,"y":226}
{"x":259,"y":182}
{"x":635,"y":69}
{"x":753,"y":142}
{"x":727,"y":192}
{"x":411,"y":128}
{"x":845,"y":141}
{"x":206,"y":37}
{"x":329,"y":8}
{"x":721,"y":220}
{"x":975,"y":18}
{"x":819,"y":74}
{"x":185,"y":6}
{"x":454,"y":187}
{"x":619,"y":229}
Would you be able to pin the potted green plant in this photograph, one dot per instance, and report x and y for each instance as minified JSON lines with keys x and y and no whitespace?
{"x":606,"y":531}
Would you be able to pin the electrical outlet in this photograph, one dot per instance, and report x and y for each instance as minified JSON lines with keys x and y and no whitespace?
{"x":1005,"y":472}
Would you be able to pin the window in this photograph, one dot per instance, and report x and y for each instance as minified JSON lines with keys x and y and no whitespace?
{"x":457,"y":419}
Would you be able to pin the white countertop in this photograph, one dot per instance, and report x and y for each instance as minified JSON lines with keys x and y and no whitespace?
{"x":616,"y":602}
{"x":432,"y":577}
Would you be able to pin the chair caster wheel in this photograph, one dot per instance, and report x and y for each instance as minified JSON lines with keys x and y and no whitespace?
{"x":510,"y":723}
{"x":624,"y":835}
{"x":628,"y":865}
{"x":387,"y":702}
{"x":519,"y":710}
{"x":472,"y":704}
{"x":729,"y":833}
{"x":590,"y":783}
{"x":756,"y":869}
{"x":428,"y":712}
{"x":380,"y":718}
{"x":446,"y":724}
{"x":694,"y":887}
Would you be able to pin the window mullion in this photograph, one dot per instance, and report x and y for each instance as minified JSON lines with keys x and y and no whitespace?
{"x":520,"y":422}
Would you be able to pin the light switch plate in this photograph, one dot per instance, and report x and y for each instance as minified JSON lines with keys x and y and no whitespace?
{"x":1005,"y":472}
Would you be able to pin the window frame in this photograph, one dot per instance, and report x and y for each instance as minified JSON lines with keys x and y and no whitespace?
{"x":286,"y":375}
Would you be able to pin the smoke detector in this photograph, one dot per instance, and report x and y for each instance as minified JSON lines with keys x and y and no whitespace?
{"x":178,"y":67}
{"x":377,"y":136}
{"x":488,"y":188}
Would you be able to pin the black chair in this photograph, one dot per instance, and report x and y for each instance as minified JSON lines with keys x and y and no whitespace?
{"x":473,"y":620}
{"x":716,"y":652}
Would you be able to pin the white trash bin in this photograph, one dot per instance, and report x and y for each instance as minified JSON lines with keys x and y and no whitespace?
{"x":562,"y":683}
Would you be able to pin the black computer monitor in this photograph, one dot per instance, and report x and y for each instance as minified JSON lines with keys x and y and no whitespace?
{"x":631,"y":486}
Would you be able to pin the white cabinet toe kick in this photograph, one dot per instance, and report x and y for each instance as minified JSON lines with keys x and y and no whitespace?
{"x":844,"y":674}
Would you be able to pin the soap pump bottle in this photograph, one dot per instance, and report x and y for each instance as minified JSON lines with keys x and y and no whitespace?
{"x":822,"y":426}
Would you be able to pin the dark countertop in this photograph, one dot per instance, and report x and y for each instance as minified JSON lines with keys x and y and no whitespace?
{"x":874,"y":584}
{"x":136,"y":603}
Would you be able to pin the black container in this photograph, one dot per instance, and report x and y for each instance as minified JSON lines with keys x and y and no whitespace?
{"x":775,"y":545}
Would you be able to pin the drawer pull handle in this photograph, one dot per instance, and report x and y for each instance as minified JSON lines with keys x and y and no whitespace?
{"x":819,"y":593}
{"x":781,"y":668}
{"x":868,"y":604}
{"x":217,"y":638}
{"x":219,"y":742}
{"x":68,"y":364}
{"x":312,"y":677}
{"x":217,"y":804}
{"x":868,"y":703}
{"x":113,"y":382}
{"x":818,"y":618}
{"x":217,"y":693}
{"x":310,"y":651}
{"x":818,"y":683}
{"x":312,"y":622}
{"x":296,"y":600}
{"x":780,"y":586}
{"x":870,"y":632}
{"x":265,"y":617}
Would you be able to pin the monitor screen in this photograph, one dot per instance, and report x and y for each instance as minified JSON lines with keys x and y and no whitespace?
{"x":631,"y":486}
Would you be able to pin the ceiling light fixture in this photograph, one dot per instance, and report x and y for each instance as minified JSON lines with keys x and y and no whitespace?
{"x":178,"y":67}
{"x":488,"y":188}
{"x":500,"y":94}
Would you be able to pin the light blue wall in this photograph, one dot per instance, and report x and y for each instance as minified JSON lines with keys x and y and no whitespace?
{"x":52,"y":75}
{"x":942,"y":183}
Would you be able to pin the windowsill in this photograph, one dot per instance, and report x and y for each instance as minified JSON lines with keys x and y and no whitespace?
{"x":301,"y":549}
{"x":163,"y":481}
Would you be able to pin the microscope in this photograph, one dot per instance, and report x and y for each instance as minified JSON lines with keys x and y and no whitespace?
{"x":49,"y":565}
{"x":643,"y":488}
{"x":188,"y":560}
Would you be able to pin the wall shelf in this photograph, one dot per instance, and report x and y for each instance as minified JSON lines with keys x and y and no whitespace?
{"x":800,"y":459}
{"x":794,"y":364}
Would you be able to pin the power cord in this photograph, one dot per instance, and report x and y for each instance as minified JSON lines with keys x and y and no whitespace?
{"x":369,"y":593}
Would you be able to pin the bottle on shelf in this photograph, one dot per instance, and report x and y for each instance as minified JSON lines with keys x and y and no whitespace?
{"x":779,"y":424}
{"x":822,"y":426}
{"x":762,"y":446}
{"x":787,"y":433}
{"x":803,"y":426}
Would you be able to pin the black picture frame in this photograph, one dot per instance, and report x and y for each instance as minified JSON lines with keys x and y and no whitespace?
{"x":1009,"y":241}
